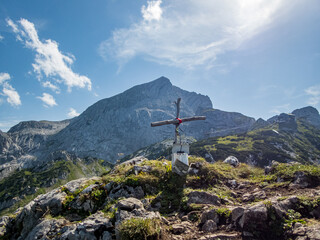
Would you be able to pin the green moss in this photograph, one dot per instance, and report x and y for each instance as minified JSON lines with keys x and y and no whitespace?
{"x":223,"y":212}
{"x":140,"y":229}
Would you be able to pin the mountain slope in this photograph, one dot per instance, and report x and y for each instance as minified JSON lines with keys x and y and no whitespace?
{"x":261,"y":146}
{"x":144,"y":199}
{"x":284,"y":138}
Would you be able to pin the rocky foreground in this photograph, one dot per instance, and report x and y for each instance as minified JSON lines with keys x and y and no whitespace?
{"x":142,"y":199}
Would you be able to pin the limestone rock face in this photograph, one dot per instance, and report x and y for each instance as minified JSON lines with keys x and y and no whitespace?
{"x":19,"y":146}
{"x":220,"y":123}
{"x":309,"y":114}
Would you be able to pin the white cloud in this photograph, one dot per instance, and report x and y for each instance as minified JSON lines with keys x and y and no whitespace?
{"x":49,"y":61}
{"x":190,"y":33}
{"x":4,"y":77}
{"x":48,"y":100}
{"x":53,"y":87}
{"x":73,"y":113}
{"x":1,"y":38}
{"x":13,"y":97}
{"x":13,"y":25}
{"x":314,"y":95}
{"x":153,"y":11}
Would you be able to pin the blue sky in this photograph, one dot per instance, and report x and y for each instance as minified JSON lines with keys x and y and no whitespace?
{"x":57,"y":57}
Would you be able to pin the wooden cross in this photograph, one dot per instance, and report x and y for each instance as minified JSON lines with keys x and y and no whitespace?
{"x":177,"y":121}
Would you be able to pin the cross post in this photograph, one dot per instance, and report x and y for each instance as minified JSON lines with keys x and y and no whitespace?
{"x":179,"y":158}
{"x":177,"y":121}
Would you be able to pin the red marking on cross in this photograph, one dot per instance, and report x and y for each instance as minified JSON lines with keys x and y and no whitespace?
{"x":180,"y":121}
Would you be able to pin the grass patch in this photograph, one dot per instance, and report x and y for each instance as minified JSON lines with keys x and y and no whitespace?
{"x":287,"y":172}
{"x":219,"y":172}
{"x":140,"y":229}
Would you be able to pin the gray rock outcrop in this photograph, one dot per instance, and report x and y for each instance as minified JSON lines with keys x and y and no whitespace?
{"x":309,"y":114}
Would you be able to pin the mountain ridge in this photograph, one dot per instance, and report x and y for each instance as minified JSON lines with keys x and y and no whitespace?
{"x":113,"y":125}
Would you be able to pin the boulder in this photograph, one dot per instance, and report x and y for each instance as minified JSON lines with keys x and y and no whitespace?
{"x":123,"y":191}
{"x":91,"y":228}
{"x":209,"y":215}
{"x":302,"y":179}
{"x":281,"y":207}
{"x":132,"y":207}
{"x":257,"y":195}
{"x":199,"y":197}
{"x":301,"y":231}
{"x":209,"y":226}
{"x":129,"y":204}
{"x":315,"y":213}
{"x":74,"y":185}
{"x":233,"y":161}
{"x":236,"y":214}
{"x":178,"y":228}
{"x":254,"y":218}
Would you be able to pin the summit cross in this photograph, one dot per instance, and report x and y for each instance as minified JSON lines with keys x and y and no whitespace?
{"x":177,"y":121}
{"x":180,"y":151}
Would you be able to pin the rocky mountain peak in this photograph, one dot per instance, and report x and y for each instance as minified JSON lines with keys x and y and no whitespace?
{"x":309,"y":114}
{"x":121,"y":124}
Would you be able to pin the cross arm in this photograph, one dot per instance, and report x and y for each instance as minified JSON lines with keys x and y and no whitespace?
{"x":176,"y":121}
